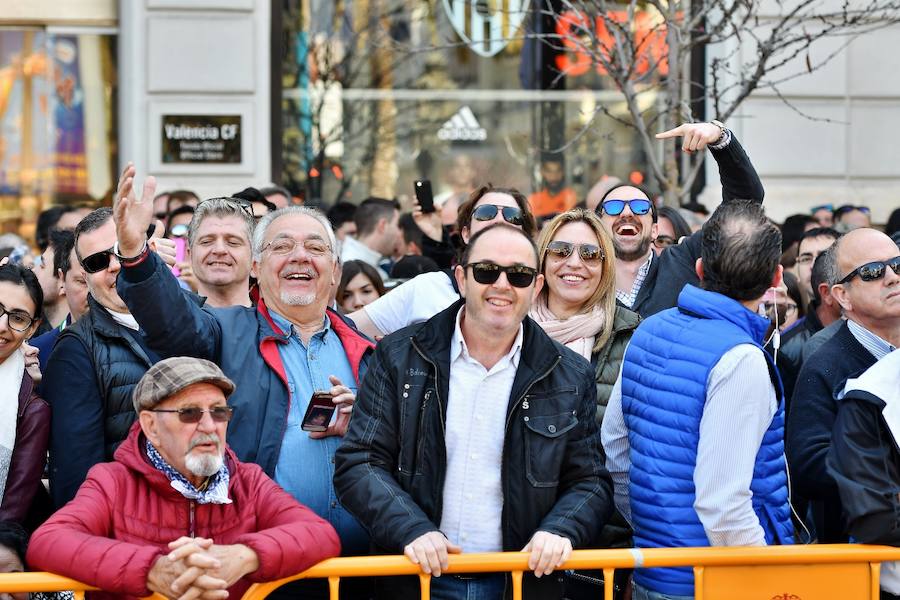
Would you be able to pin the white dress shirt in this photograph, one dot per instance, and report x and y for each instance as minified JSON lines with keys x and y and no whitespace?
{"x":353,"y":249}
{"x":740,"y":405}
{"x":475,"y":431}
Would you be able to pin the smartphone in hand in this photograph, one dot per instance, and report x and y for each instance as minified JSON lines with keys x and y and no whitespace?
{"x":424,"y":196}
{"x":318,"y":413}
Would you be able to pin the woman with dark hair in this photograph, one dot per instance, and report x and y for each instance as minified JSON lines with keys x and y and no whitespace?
{"x":893,"y":224}
{"x":360,"y":285}
{"x":671,"y":227}
{"x":24,"y":417}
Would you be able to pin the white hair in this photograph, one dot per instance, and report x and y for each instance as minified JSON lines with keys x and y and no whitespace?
{"x":259,"y":234}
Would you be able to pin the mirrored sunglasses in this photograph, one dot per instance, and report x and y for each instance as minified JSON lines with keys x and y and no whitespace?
{"x":589,"y":253}
{"x":873,"y":270}
{"x":487,"y":212}
{"x":638,"y":206}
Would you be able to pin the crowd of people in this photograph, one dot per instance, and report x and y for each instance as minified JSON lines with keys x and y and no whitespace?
{"x":608,"y":374}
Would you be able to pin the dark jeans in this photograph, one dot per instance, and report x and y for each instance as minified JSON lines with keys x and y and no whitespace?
{"x":468,"y":587}
{"x":351,"y":588}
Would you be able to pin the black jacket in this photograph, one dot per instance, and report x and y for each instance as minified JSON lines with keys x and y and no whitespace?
{"x":864,"y":458}
{"x":675,"y":267}
{"x":808,"y":434}
{"x":390,"y":469}
{"x":790,"y":355}
{"x":90,"y":376}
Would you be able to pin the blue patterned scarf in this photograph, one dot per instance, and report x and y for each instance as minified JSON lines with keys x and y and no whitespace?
{"x":216,"y":491}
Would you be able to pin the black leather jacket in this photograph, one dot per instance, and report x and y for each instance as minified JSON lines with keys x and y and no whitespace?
{"x":390,"y":469}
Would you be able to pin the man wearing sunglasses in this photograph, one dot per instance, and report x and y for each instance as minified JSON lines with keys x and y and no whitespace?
{"x":176,"y":512}
{"x":646,"y":283}
{"x":868,"y":290}
{"x":694,"y":429}
{"x":426,"y":295}
{"x":94,"y":366}
{"x":475,"y":432}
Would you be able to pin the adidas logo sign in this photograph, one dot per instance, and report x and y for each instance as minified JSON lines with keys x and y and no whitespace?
{"x":463,"y":126}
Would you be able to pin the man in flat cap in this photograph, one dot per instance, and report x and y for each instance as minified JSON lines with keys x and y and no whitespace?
{"x":176,"y":513}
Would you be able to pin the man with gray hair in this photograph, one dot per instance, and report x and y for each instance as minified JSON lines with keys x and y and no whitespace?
{"x":219,"y":248}
{"x":241,"y":528}
{"x":280,"y":353}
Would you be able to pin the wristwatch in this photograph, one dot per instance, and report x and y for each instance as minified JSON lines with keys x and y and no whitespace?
{"x":722,"y":129}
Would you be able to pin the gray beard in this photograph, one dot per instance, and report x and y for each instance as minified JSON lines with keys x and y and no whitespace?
{"x":204,"y":465}
{"x":296,"y":300}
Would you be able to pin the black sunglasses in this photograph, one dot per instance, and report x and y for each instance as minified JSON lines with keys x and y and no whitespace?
{"x":589,"y":253}
{"x":99,"y":261}
{"x":873,"y":270}
{"x":638,"y":206}
{"x":192,"y":414}
{"x":487,"y":212}
{"x":488,"y":273}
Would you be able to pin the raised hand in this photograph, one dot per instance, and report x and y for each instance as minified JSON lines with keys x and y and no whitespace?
{"x":132,"y":216}
{"x":697,"y":136}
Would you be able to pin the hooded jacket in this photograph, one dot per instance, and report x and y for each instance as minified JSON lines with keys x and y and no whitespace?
{"x":126,"y":513}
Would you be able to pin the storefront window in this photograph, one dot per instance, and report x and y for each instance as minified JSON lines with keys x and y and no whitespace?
{"x":57,"y":122}
{"x":379,"y":93}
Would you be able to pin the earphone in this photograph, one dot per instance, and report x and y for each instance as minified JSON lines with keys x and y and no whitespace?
{"x":775,"y":338}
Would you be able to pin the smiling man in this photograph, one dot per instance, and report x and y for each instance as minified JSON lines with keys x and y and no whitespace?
{"x":240,"y":527}
{"x":646,"y":283}
{"x":475,"y":432}
{"x":93,"y":367}
{"x":219,"y":242}
{"x":280,"y":352}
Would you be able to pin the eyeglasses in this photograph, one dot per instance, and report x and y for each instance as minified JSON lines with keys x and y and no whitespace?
{"x":873,"y":270}
{"x":488,"y":273}
{"x":487,"y":212}
{"x":589,"y":253}
{"x":789,"y":307}
{"x":638,"y":206}
{"x":286,"y":245}
{"x":842,"y":210}
{"x":180,"y":230}
{"x":664,"y":241}
{"x":18,"y":320}
{"x":99,"y":261}
{"x":192,"y":414}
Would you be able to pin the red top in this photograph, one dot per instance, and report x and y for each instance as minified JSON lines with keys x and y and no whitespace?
{"x":126,"y":513}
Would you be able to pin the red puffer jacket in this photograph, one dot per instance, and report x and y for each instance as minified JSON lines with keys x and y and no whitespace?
{"x":126,"y":513}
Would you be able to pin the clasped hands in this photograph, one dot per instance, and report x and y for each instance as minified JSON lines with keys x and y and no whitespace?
{"x":196,"y":568}
{"x":431,"y":552}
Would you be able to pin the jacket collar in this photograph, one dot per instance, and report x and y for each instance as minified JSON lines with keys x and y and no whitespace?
{"x":539,"y":352}
{"x":99,"y":319}
{"x":131,"y":454}
{"x":355,"y":344}
{"x":712,"y":305}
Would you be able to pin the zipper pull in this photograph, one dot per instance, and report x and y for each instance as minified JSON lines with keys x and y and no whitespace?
{"x":192,"y":532}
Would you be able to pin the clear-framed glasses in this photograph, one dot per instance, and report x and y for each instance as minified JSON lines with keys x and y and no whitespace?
{"x":284,"y":245}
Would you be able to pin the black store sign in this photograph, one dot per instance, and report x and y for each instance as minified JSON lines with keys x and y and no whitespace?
{"x":210,"y":139}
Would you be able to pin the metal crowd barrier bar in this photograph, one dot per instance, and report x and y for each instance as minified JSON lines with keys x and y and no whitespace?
{"x":815,"y":572}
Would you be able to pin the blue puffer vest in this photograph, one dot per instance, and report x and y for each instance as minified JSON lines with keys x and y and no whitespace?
{"x":663,"y":396}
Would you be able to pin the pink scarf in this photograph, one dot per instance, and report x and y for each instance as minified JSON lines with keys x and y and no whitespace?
{"x":577,"y":333}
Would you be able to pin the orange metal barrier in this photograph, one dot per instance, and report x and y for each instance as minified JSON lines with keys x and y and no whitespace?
{"x":816,"y":572}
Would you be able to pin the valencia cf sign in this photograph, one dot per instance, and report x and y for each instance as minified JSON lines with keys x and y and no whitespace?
{"x":486,"y":26}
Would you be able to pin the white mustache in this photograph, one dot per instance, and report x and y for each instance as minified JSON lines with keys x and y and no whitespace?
{"x":204,"y":438}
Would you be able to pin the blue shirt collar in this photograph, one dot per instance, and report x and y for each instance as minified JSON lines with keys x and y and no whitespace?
{"x":289,"y":328}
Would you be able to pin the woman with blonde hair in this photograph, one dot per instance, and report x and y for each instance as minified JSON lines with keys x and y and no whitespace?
{"x":577,"y":306}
